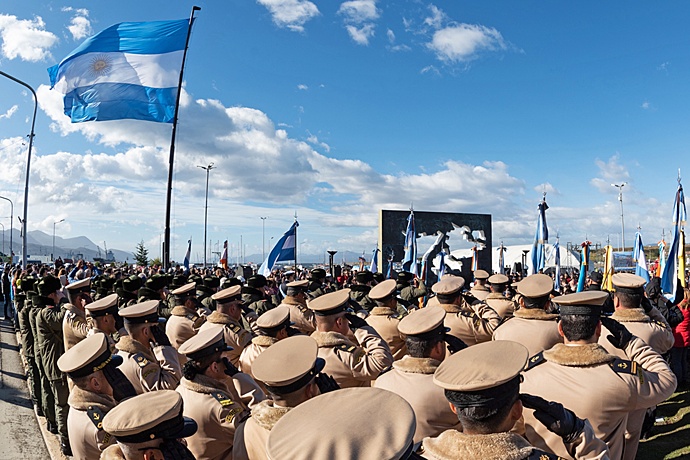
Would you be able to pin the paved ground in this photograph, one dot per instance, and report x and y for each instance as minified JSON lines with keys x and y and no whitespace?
{"x":20,"y":433}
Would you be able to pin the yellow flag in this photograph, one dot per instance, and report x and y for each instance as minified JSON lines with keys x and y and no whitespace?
{"x":607,"y":283}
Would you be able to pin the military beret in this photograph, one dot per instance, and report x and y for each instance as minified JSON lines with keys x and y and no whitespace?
{"x":88,"y":356}
{"x":535,"y":286}
{"x":140,"y":313}
{"x":230,"y":282}
{"x":145,"y":293}
{"x":371,"y":423}
{"x":187,"y":289}
{"x":448,"y":285}
{"x":257,"y":281}
{"x":101,"y":307}
{"x":498,"y":278}
{"x":383,"y":290}
{"x":274,"y":318}
{"x":48,"y":285}
{"x":148,"y":416}
{"x":425,"y":323}
{"x":131,"y":283}
{"x":157,"y":282}
{"x":318,"y":273}
{"x":212,"y":281}
{"x":228,"y":295}
{"x":481,"y":274}
{"x":585,"y":303}
{"x":195,"y":279}
{"x":27,"y":283}
{"x":405,"y":277}
{"x":596,"y":277}
{"x":331,"y":303}
{"x":205,"y":343}
{"x":288,"y":365}
{"x":364,"y":276}
{"x":628,"y":283}
{"x":378,"y":277}
{"x":79,"y":286}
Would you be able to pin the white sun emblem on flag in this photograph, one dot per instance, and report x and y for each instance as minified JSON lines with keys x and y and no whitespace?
{"x":100,"y":65}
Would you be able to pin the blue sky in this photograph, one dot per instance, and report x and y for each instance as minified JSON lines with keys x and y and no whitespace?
{"x":335,"y":109}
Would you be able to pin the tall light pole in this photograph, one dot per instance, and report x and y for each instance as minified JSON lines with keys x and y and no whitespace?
{"x":263,"y":238}
{"x":620,"y":198}
{"x":28,"y":164}
{"x":208,"y":170}
{"x":52,"y":255}
{"x":11,"y":219}
{"x":3,"y":237}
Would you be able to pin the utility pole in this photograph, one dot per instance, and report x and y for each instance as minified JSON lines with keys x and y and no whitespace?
{"x":620,"y":198}
{"x":263,"y":238}
{"x":208,"y":170}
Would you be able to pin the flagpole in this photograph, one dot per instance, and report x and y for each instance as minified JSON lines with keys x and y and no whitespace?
{"x":166,"y":250}
{"x":296,"y":243}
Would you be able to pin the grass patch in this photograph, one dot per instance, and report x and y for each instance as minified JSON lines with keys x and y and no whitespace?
{"x":669,"y":439}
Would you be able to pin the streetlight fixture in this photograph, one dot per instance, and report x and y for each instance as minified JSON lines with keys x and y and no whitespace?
{"x":620,"y":198}
{"x":11,"y":219}
{"x":208,"y":170}
{"x":28,"y":165}
{"x":52,"y":255}
{"x":3,"y":237}
{"x":263,"y":237}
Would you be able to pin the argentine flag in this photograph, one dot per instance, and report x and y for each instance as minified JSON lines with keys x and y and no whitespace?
{"x":129,"y":70}
{"x":283,"y":250}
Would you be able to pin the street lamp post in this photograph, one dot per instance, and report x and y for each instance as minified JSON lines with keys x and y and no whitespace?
{"x":11,"y":219}
{"x":3,"y":237}
{"x":208,"y":170}
{"x":28,"y":164}
{"x":52,"y":255}
{"x":263,"y":238}
{"x":620,"y":198}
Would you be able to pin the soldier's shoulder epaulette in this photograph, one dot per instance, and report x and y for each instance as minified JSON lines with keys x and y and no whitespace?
{"x":235,"y":328}
{"x":222,"y":398}
{"x":535,"y":360}
{"x":96,"y":416}
{"x":661,"y":324}
{"x":191,"y":316}
{"x":541,"y":455}
{"x":623,"y":366}
{"x":346,"y":347}
{"x":140,"y":359}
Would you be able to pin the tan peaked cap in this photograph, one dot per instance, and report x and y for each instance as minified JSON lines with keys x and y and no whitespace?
{"x":448,"y":285}
{"x":498,"y":278}
{"x":89,"y":354}
{"x":104,"y":303}
{"x":628,"y":281}
{"x":481,"y":366}
{"x":480,"y":274}
{"x":423,"y":320}
{"x":142,"y":312}
{"x":586,"y":303}
{"x":537,"y":285}
{"x":189,"y":287}
{"x":274,"y":317}
{"x":330,"y":303}
{"x":207,"y":337}
{"x":382,"y":290}
{"x":228,"y":294}
{"x":81,"y":284}
{"x":298,"y":284}
{"x":352,"y":423}
{"x":286,"y":361}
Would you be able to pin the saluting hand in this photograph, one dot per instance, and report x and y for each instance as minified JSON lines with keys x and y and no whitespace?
{"x":620,"y":335}
{"x":556,"y":418}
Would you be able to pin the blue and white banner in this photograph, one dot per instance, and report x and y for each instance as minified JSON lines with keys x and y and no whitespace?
{"x":188,"y":255}
{"x":639,"y":258}
{"x":374,"y":268}
{"x":283,"y":250}
{"x":409,"y":262}
{"x":671,"y":273}
{"x":557,"y":262}
{"x":540,"y":238}
{"x":129,"y":70}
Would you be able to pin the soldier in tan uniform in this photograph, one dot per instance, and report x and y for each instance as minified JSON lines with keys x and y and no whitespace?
{"x":185,"y":320}
{"x":150,"y":362}
{"x":351,"y":364}
{"x":273,"y":326}
{"x":585,"y":378}
{"x":486,"y":398}
{"x":496,"y":300}
{"x":91,"y":396}
{"x":74,"y":325}
{"x":533,"y":325}
{"x":412,"y":376}
{"x":296,"y":301}
{"x":352,"y":423}
{"x":644,"y":321}
{"x":208,"y":399}
{"x":102,"y":315}
{"x":479,"y":289}
{"x":384,"y":317}
{"x":470,"y":323}
{"x":149,"y":426}
{"x":288,"y":371}
{"x":229,"y":314}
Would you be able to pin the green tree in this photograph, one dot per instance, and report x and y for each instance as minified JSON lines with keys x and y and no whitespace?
{"x":142,"y":254}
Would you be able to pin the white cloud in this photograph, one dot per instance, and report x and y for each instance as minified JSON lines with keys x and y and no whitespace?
{"x":359,"y":17}
{"x":464,"y":42}
{"x":610,"y":172}
{"x":436,"y":19}
{"x":646,"y":105}
{"x":25,"y":39}
{"x":80,"y":25}
{"x":291,"y":14}
{"x":302,"y":87}
{"x":11,"y":111}
{"x":313,"y":140}
{"x":391,"y":36}
{"x":548,"y":188}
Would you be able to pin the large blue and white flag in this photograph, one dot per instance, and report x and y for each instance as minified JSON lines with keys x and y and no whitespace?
{"x":187,"y":255}
{"x":541,"y":237}
{"x":129,"y":70}
{"x":283,"y":250}
{"x":639,"y":258}
{"x":374,"y":268}
{"x":671,"y":273}
{"x":557,"y":262}
{"x":409,"y":263}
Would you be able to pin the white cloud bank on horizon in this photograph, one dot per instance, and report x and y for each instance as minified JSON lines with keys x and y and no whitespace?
{"x":25,"y":39}
{"x":291,"y":14}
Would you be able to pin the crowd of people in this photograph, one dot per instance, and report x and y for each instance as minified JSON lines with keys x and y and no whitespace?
{"x":135,"y":363}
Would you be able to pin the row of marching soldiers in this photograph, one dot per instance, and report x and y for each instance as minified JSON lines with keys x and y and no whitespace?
{"x":353,"y":373}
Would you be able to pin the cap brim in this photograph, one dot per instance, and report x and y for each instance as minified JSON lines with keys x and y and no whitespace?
{"x":161,"y":320}
{"x":116,"y":360}
{"x":188,"y":429}
{"x":319,"y":365}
